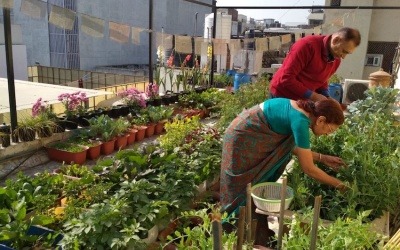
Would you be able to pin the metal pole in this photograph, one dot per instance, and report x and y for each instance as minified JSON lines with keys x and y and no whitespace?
{"x":195,"y":24}
{"x":213,"y":36}
{"x":10,"y":70}
{"x":150,"y":40}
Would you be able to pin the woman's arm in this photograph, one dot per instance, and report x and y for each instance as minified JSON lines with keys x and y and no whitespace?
{"x":306,"y":158}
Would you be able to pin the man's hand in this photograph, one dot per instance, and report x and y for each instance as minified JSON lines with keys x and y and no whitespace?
{"x":317,"y":97}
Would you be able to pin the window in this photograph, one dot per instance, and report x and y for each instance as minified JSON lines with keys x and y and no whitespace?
{"x":335,"y":2}
{"x":373,"y":60}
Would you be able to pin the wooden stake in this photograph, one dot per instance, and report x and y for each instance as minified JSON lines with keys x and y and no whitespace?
{"x":253,"y":229}
{"x":314,"y":228}
{"x":217,"y":235}
{"x":248,"y":213}
{"x":281,"y":212}
{"x":240,"y":231}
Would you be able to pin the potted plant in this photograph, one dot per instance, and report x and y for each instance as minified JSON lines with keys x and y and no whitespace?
{"x":5,"y":137}
{"x":134,"y":99}
{"x":84,"y":139}
{"x":106,"y":130}
{"x":120,"y":130}
{"x":46,"y":119}
{"x":26,"y":129}
{"x":139,"y":123}
{"x":152,"y":93}
{"x":67,"y":152}
{"x":74,"y":105}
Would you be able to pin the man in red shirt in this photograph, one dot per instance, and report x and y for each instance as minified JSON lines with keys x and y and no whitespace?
{"x":310,"y":63}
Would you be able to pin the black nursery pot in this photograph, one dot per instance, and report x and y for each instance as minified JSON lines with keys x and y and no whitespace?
{"x":123,"y":110}
{"x":157,"y":102}
{"x":150,"y":103}
{"x":166,"y":99}
{"x":27,"y":135}
{"x":83,"y":120}
{"x":5,"y":139}
{"x":71,"y":122}
{"x":114,"y":112}
{"x":60,"y":126}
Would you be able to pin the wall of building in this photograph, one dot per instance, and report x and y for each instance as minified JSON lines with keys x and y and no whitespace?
{"x":19,"y":62}
{"x":35,"y":35}
{"x":353,"y":66}
{"x":374,"y":25}
{"x":175,"y":16}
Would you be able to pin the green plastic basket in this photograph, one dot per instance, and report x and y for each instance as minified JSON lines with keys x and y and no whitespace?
{"x":267,"y":196}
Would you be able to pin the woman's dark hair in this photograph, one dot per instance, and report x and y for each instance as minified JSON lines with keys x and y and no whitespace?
{"x":329,"y":108}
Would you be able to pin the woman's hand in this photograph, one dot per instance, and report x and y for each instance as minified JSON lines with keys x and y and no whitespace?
{"x":333,"y":162}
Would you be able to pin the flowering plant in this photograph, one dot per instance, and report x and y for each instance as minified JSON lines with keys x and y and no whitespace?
{"x":133,"y":98}
{"x":73,"y":102}
{"x":152,"y":91}
{"x":41,"y":107}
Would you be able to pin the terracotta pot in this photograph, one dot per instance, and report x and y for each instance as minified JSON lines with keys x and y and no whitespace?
{"x":159,"y":127}
{"x":141,"y":132}
{"x":67,"y":157}
{"x":94,"y":151}
{"x":121,"y":142}
{"x":132,"y":136}
{"x":108,"y":147}
{"x":150,"y":129}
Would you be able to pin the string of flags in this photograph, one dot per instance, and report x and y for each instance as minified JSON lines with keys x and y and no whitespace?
{"x":124,"y":33}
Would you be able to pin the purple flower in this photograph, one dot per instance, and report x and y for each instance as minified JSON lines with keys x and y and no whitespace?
{"x":152,"y":91}
{"x":73,"y":103}
{"x":133,"y":97}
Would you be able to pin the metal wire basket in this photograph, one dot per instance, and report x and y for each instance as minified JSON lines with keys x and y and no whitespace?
{"x":266,"y":196}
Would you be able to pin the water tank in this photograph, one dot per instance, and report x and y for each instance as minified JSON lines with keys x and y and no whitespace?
{"x":224,"y":24}
{"x":208,"y":23}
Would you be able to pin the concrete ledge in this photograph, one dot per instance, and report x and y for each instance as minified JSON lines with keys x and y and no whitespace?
{"x":24,"y":155}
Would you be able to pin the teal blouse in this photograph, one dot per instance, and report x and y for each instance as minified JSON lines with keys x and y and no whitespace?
{"x":286,"y":120}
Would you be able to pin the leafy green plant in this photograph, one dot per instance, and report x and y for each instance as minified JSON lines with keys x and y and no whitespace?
{"x":14,"y":226}
{"x":65,"y":146}
{"x":102,"y":126}
{"x":104,"y":226}
{"x":341,"y":234}
{"x":177,"y":130}
{"x":199,"y":237}
{"x":247,"y":96}
{"x":121,"y":126}
{"x":368,"y":142}
{"x":141,"y":119}
{"x":223,"y":80}
{"x":155,"y":113}
{"x":202,"y":153}
{"x":335,"y":78}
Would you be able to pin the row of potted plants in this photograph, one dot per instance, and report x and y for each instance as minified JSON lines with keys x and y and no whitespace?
{"x":104,"y":135}
{"x":44,"y":122}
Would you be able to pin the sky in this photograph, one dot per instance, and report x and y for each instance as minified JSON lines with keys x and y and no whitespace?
{"x":281,"y":15}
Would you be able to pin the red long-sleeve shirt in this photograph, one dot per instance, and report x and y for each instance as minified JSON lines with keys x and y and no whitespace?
{"x":306,"y":69}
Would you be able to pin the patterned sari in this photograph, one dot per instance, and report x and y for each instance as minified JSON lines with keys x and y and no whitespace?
{"x":251,"y":152}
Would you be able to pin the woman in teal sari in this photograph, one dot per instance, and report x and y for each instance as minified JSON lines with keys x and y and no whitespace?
{"x":259,"y":143}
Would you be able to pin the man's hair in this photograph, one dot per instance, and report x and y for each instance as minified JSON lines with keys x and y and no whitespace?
{"x":350,"y":34}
